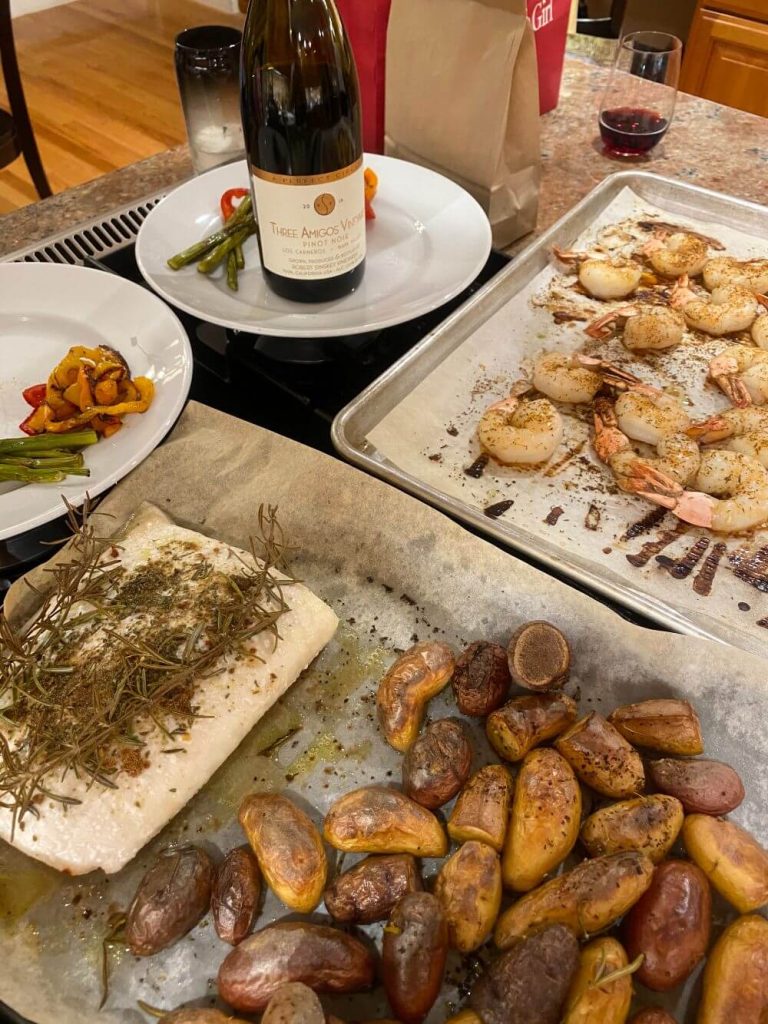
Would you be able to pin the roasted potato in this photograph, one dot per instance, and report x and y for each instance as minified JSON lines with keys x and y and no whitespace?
{"x":733,"y":860}
{"x":587,"y":899}
{"x":235,"y":896}
{"x":670,"y":924}
{"x":482,"y":809}
{"x":647,"y":823}
{"x":525,"y":722}
{"x":669,"y":726}
{"x":416,"y":677}
{"x":438,"y":764}
{"x":591,"y":999}
{"x":468,"y":887}
{"x":602,"y":758}
{"x":539,"y":656}
{"x":413,"y":954}
{"x":653,"y":1015}
{"x":375,"y":819}
{"x":197,"y":1015}
{"x":465,"y":1017}
{"x":288,"y":848}
{"x":544,"y":824}
{"x":171,"y":898}
{"x":294,"y":1003}
{"x":531,"y":980}
{"x":323,"y":958}
{"x":701,"y":786}
{"x":735,"y":987}
{"x":481,"y":679}
{"x":369,"y":890}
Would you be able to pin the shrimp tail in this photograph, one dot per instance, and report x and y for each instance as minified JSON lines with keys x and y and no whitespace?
{"x":604,"y":325}
{"x":609,"y":440}
{"x":692,"y":507}
{"x":568,"y":255}
{"x":681,"y":293}
{"x":763,"y":300}
{"x":716,"y":428}
{"x":734,"y":388}
{"x":614,"y":375}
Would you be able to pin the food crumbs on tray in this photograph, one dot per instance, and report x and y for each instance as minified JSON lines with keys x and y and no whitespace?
{"x":743,"y":606}
{"x":477,"y":468}
{"x":494,"y":511}
{"x":553,"y":515}
{"x":592,"y":518}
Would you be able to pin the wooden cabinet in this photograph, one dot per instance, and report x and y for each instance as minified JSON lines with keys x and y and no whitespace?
{"x":726,"y":59}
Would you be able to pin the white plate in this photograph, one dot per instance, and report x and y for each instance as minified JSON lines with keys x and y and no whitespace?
{"x":45,"y":309}
{"x":430,"y":239}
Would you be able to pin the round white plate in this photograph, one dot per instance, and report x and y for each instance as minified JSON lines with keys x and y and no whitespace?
{"x":430,"y":239}
{"x":45,"y":309}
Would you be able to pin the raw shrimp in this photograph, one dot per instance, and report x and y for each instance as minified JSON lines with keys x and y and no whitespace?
{"x":729,"y":308}
{"x":731,"y":493}
{"x":650,"y":416}
{"x":645,"y":327}
{"x":677,"y":455}
{"x":751,"y":274}
{"x":677,"y":253}
{"x":561,"y":378}
{"x":514,"y":431}
{"x":737,"y":430}
{"x":603,"y":278}
{"x":742,"y":373}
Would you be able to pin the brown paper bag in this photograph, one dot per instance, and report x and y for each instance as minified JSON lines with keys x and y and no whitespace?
{"x":462,"y":99}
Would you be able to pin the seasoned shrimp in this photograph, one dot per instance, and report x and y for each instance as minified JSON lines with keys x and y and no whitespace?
{"x":742,"y":373}
{"x":604,"y":278}
{"x":731,"y":493}
{"x":562,"y":379}
{"x":759,"y":331}
{"x":751,"y":274}
{"x":737,"y":430}
{"x":729,"y":308}
{"x":645,"y":327}
{"x":514,"y":431}
{"x":677,"y":455}
{"x":649,"y":417}
{"x":675,"y":254}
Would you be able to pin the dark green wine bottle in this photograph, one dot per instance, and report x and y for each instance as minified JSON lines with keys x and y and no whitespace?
{"x":303,"y":136}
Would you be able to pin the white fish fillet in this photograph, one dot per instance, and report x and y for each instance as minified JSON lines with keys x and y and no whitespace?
{"x":110,"y":826}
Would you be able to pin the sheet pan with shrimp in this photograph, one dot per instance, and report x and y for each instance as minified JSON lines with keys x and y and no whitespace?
{"x":616,"y":408}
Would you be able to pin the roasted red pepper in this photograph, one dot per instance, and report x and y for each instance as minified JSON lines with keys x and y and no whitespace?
{"x":227,"y":204}
{"x":35,"y":395}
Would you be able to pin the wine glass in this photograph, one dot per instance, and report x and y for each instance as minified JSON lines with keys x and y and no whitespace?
{"x":639,"y":99}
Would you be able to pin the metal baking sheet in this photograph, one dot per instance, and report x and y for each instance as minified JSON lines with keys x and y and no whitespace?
{"x":395,"y":570}
{"x":453,"y":374}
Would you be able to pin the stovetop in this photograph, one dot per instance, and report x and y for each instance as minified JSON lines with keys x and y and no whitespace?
{"x":293,"y":387}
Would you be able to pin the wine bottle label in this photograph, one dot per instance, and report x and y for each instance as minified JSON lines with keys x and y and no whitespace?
{"x":311,"y":227}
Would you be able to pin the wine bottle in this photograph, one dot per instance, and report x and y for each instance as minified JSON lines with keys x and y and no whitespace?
{"x":303,"y":136}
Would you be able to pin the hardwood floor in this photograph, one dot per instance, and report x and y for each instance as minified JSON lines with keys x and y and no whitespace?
{"x":100,"y":86}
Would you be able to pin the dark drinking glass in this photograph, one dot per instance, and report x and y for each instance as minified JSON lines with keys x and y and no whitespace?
{"x":639,"y":100}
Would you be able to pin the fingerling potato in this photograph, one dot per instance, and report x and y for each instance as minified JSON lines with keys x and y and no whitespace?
{"x":587,"y":899}
{"x":323,"y":958}
{"x":735,"y":986}
{"x":481,"y":810}
{"x":702,"y":786}
{"x":465,"y":1017}
{"x":481,"y":679}
{"x":413,"y":955}
{"x":401,"y":700}
{"x":438,"y":764}
{"x":653,"y":1015}
{"x":530,"y":980}
{"x":235,"y":896}
{"x":647,"y":823}
{"x":733,"y":860}
{"x":592,"y":997}
{"x":544,"y":824}
{"x":669,"y":726}
{"x":670,"y":925}
{"x":375,"y":819}
{"x":288,"y":848}
{"x":198,"y":1015}
{"x":468,"y":887}
{"x":294,"y":1003}
{"x":602,"y":758}
{"x":539,"y":656}
{"x":369,"y":890}
{"x":525,"y":722}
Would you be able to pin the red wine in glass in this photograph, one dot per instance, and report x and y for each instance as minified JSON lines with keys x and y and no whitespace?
{"x":631,"y":131}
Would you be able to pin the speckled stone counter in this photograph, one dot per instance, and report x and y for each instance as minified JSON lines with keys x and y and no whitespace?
{"x":710,"y":145}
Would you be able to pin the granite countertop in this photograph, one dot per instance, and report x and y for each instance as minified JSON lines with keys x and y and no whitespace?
{"x":709,"y":145}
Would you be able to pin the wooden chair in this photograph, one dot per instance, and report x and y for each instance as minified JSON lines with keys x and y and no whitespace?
{"x":17,"y":137}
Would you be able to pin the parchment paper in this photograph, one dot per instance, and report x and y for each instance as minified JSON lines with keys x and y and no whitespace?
{"x":431,"y":434}
{"x":395,"y":570}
